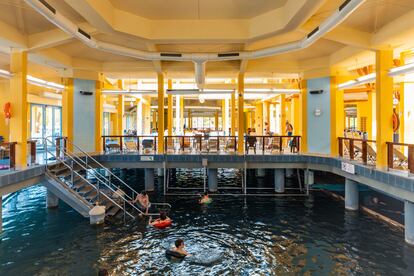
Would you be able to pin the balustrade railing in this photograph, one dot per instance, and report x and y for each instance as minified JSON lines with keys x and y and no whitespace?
{"x":400,"y":156}
{"x":363,"y":150}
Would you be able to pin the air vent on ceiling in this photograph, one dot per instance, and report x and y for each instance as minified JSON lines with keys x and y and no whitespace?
{"x":48,"y":6}
{"x":344,"y":4}
{"x":85,"y":34}
{"x":313,"y":32}
{"x":170,"y":55}
{"x":228,"y":55}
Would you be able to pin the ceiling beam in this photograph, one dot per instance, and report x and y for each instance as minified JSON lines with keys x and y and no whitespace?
{"x":157,"y":63}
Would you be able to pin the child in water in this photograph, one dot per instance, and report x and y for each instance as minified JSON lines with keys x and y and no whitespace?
{"x":163,"y":217}
{"x":205,"y":199}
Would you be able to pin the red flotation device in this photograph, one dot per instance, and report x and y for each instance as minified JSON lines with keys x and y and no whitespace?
{"x":162,"y":224}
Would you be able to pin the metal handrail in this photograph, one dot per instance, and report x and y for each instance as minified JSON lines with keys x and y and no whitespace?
{"x":87,"y":181}
{"x":97,"y":174}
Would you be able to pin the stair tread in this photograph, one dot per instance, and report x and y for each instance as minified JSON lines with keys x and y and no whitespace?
{"x":113,"y":210}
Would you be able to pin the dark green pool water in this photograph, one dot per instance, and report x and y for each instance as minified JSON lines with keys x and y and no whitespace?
{"x":256,"y":235}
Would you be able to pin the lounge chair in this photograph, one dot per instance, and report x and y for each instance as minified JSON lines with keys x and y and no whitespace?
{"x":130,"y":146}
{"x":147,"y":145}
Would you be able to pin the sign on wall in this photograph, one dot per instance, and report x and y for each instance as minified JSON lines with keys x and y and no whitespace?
{"x":349,"y":168}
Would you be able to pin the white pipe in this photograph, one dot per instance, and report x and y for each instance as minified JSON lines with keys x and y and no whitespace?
{"x":199,"y":59}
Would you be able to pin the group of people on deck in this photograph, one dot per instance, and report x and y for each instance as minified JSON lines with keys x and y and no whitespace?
{"x":143,"y":203}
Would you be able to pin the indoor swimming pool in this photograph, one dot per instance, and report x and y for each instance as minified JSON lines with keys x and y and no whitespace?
{"x":254,"y":235}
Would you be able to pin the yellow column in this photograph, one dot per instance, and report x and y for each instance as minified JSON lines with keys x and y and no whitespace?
{"x":304,"y":110}
{"x":337,"y":115}
{"x":98,"y":115}
{"x":282,"y":114}
{"x":67,"y":111}
{"x":190,"y":119}
{"x":259,"y":119}
{"x":266,"y":117}
{"x":160,"y":79}
{"x":295,"y":115}
{"x":233,"y":114}
{"x":18,"y":100}
{"x":384,"y":104}
{"x":289,"y":110}
{"x":182,"y":113}
{"x":400,"y":106}
{"x":216,"y":120}
{"x":120,"y":115}
{"x":240,"y":131}
{"x":223,"y":114}
{"x":170,"y":109}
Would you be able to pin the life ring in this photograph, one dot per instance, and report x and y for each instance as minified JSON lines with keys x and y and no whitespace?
{"x":171,"y":253}
{"x":162,"y":224}
{"x":395,"y":121}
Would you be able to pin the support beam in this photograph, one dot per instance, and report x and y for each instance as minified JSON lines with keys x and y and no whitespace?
{"x":337,"y":115}
{"x":170,"y":109}
{"x":149,"y":180}
{"x":212,"y":180}
{"x":19,"y":122}
{"x":384,"y":104}
{"x":52,"y":201}
{"x":67,"y":111}
{"x":279,"y":180}
{"x":409,"y":222}
{"x":160,"y":81}
{"x":240,"y":100}
{"x":351,"y":195}
{"x":282,"y":117}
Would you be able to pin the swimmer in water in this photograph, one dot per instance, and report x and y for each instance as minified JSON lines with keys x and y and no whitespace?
{"x":179,"y":247}
{"x":163,"y":218}
{"x":205,"y":199}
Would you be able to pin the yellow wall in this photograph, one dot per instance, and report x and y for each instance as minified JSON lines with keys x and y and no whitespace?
{"x":4,"y":98}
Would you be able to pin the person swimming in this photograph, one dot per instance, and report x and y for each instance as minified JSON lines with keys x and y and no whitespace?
{"x":179,"y":248}
{"x":142,"y":201}
{"x":205,"y":199}
{"x":162,"y":219}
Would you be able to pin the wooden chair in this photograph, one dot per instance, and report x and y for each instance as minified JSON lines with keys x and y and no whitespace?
{"x":251,"y":142}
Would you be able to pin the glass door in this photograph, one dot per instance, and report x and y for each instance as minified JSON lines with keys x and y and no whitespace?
{"x":46,"y":121}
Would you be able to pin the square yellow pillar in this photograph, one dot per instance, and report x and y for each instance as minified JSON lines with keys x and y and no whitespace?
{"x":266,"y":117}
{"x":120,"y":115}
{"x":18,"y":100}
{"x":160,"y":120}
{"x":296,"y":115}
{"x":384,"y":104}
{"x":304,"y":110}
{"x":240,"y":132}
{"x":259,"y":119}
{"x":170,"y":109}
{"x":282,"y":114}
{"x":67,"y":112}
{"x":337,"y":115}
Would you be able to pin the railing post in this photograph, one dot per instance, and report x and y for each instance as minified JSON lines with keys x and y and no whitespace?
{"x":155,"y":144}
{"x":182,"y":145}
{"x":351,"y":149}
{"x":280,"y":144}
{"x":235,"y":143}
{"x":263,"y":145}
{"x":201,"y":143}
{"x":12,"y":150}
{"x":364,"y":152}
{"x":138,"y":144}
{"x":411,"y":158}
{"x":298,"y":143}
{"x":103,"y":144}
{"x":120,"y":143}
{"x":340,"y":147}
{"x":32,"y":151}
{"x":166,"y":144}
{"x":65,"y":144}
{"x":57,"y":147}
{"x":218,"y":144}
{"x":390,"y":155}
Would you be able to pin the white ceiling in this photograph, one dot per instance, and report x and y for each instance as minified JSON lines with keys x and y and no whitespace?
{"x":198,"y":9}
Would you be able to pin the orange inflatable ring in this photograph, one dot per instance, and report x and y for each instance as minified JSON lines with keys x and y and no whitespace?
{"x":162,"y":224}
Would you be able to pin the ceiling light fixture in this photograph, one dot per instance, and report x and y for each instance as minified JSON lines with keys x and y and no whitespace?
{"x":401,"y":70}
{"x":358,"y":81}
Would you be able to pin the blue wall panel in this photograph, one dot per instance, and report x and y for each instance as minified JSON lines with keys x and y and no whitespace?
{"x":84,"y":115}
{"x":319,"y":127}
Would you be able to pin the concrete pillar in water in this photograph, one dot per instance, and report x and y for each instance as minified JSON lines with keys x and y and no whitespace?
{"x":52,"y":201}
{"x":279,"y":180}
{"x":351,"y":195}
{"x":309,"y":177}
{"x":212,"y":180}
{"x":261,"y":172}
{"x":149,"y":180}
{"x":289,"y":173}
{"x":409,"y":222}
